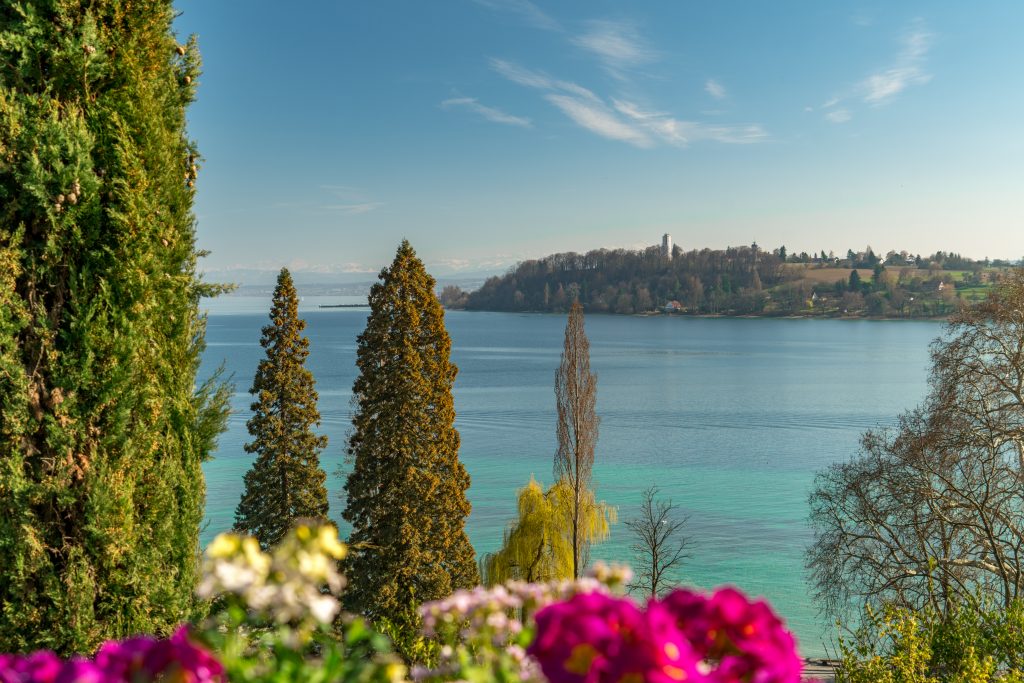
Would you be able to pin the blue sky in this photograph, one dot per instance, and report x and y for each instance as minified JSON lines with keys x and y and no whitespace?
{"x":489,"y":131}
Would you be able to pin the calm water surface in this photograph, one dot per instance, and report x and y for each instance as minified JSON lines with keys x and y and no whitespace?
{"x":730,"y":417}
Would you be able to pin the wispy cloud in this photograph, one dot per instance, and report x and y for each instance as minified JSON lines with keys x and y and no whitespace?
{"x":617,"y":44}
{"x":839,"y":116}
{"x":347,"y":200}
{"x":678,"y":132}
{"x":715,"y":89}
{"x":598,"y":118}
{"x":537,"y":79}
{"x":882,"y":86}
{"x":525,"y":10}
{"x":623,"y":120}
{"x":579,"y":104}
{"x":490,"y":113}
{"x":352,"y":209}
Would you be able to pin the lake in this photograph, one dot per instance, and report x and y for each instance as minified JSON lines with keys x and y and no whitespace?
{"x":731,"y":418}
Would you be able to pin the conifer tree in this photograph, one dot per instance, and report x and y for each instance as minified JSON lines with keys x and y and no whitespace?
{"x":406,"y":493}
{"x":286,"y":482}
{"x":102,"y":429}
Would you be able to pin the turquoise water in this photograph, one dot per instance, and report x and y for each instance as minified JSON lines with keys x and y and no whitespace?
{"x":729,"y":417}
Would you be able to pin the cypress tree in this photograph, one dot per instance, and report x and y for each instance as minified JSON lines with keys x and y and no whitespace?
{"x":102,"y":429}
{"x":406,"y":493}
{"x":286,"y":481}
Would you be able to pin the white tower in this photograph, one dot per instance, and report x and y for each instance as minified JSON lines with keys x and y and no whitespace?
{"x":666,"y":246}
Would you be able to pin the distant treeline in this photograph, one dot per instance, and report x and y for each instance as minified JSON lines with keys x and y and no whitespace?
{"x":743,"y":280}
{"x":626,"y":281}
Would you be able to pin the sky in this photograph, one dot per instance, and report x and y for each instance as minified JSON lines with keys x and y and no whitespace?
{"x":491,"y":131}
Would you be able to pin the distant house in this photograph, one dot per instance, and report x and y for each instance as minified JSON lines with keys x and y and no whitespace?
{"x":673,"y":307}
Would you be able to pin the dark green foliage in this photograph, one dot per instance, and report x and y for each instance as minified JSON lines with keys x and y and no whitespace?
{"x":102,"y":430}
{"x":286,"y":482}
{"x":624,"y":281}
{"x":406,"y":494}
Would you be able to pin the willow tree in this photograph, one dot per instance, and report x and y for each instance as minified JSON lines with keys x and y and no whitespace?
{"x":286,"y":481}
{"x":102,"y":429}
{"x":537,"y":547}
{"x":406,"y":493}
{"x":576,"y":399}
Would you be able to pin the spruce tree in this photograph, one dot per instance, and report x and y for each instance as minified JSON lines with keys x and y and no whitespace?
{"x":406,"y":493}
{"x":102,"y":429}
{"x":286,"y":481}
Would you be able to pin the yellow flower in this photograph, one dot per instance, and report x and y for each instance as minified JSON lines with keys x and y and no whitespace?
{"x":224,"y":546}
{"x":329,"y":543}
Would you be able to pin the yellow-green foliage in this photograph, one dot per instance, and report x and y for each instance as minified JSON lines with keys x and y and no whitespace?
{"x":102,"y":431}
{"x":900,"y":646}
{"x":538,"y":545}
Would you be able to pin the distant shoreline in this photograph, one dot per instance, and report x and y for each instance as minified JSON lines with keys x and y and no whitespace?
{"x":738,"y":316}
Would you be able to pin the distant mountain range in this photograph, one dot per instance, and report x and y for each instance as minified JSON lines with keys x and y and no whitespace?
{"x":256,"y":282}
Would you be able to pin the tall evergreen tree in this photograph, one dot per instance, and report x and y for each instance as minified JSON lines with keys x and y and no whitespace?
{"x":102,"y":429}
{"x":406,"y":493}
{"x":286,"y":481}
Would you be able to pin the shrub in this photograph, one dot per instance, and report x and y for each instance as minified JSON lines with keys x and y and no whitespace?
{"x":897,"y":645}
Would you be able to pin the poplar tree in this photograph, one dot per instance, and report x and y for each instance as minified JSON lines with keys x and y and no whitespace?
{"x":406,"y":493}
{"x":576,"y":399}
{"x":102,"y":429}
{"x":286,"y":482}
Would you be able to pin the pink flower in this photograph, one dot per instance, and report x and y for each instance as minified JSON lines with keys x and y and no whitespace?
{"x":597,"y":638}
{"x":133,"y":660}
{"x":38,"y":667}
{"x":180,"y":655}
{"x":738,"y":639}
{"x":121,"y":660}
{"x":80,"y":670}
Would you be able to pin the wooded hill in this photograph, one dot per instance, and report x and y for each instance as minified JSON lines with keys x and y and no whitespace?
{"x":735,"y":281}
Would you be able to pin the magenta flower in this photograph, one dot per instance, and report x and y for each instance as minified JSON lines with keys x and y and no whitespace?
{"x":576,"y":639}
{"x":38,"y":667}
{"x":81,"y":670}
{"x":597,"y":638}
{"x":134,"y":660}
{"x":738,"y":639}
{"x":122,"y":660}
{"x":193,"y":663}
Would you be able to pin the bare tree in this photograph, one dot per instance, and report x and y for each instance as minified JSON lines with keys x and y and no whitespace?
{"x":659,"y":544}
{"x":576,"y":397}
{"x":932,"y":513}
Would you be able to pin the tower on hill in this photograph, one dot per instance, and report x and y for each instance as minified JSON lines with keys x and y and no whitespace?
{"x":666,"y":246}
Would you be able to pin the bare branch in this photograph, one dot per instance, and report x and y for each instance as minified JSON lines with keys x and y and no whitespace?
{"x":659,"y":544}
